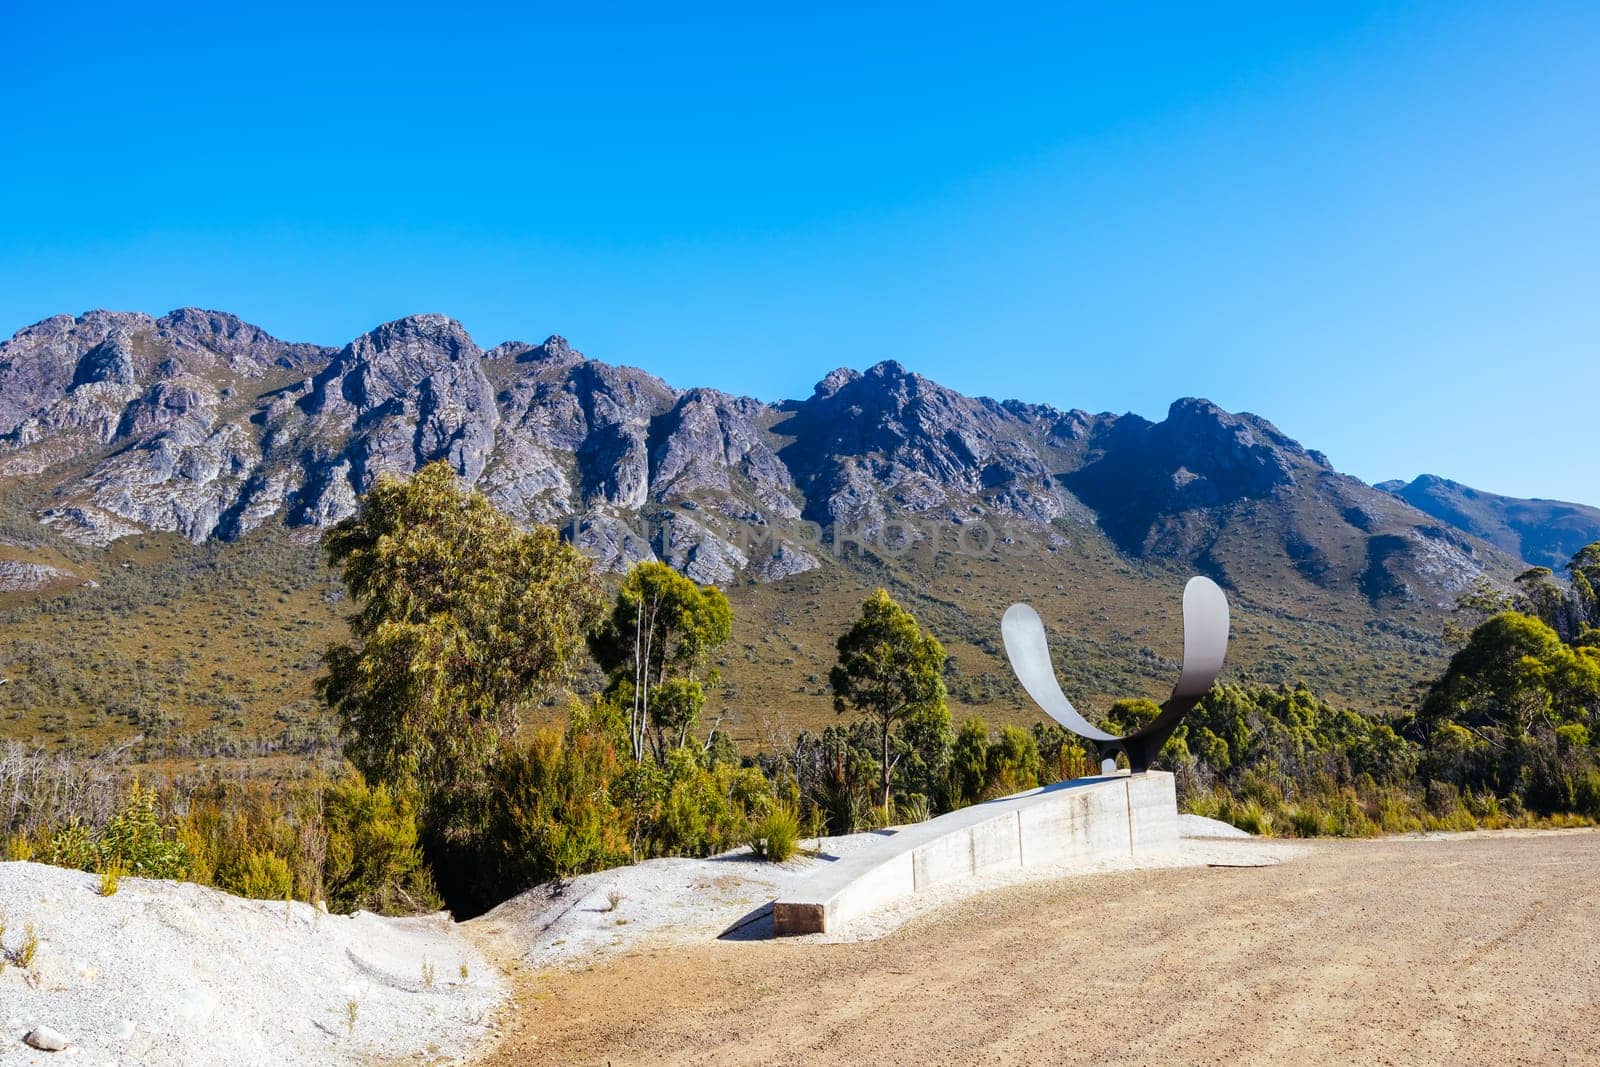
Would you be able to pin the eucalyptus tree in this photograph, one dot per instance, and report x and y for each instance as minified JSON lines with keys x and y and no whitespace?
{"x":891,"y":672}
{"x":463,"y":621}
{"x":656,"y":646}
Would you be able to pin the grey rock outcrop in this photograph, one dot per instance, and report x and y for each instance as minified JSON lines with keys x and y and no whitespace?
{"x":869,"y":445}
{"x":409,"y":392}
{"x":22,"y":576}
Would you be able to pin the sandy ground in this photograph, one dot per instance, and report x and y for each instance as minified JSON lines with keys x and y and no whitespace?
{"x":1448,"y":949}
{"x":170,"y":973}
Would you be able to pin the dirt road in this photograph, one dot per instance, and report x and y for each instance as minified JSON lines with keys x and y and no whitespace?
{"x":1471,"y":949}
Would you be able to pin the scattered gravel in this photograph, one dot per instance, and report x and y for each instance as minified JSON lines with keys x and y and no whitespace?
{"x":1471,"y":950}
{"x":171,"y":973}
{"x":665,"y":901}
{"x":1200,"y":826}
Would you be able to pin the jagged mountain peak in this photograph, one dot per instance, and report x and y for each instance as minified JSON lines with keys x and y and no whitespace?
{"x":832,"y":382}
{"x":1201,"y":416}
{"x":158,"y":415}
{"x":889,"y":370}
{"x":241,"y":342}
{"x":412,"y":330}
{"x":554,"y":350}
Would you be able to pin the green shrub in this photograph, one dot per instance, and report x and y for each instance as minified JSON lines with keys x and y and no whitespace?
{"x":231,"y":818}
{"x":547,"y":811}
{"x":776,"y":835}
{"x":1014,"y":763}
{"x":914,"y":809}
{"x":1207,"y":805}
{"x":73,"y":846}
{"x":700,"y":816}
{"x":264,"y":876}
{"x":135,"y":840}
{"x":1247,"y":815}
{"x":1483,"y":807}
{"x":1398,"y":813}
{"x":1304,"y":820}
{"x":110,"y":879}
{"x":374,"y":861}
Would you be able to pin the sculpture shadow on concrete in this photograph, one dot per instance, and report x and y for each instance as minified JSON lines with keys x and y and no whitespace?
{"x":1205,"y":644}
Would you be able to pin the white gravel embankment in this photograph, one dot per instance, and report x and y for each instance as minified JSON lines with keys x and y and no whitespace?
{"x":676,"y":901}
{"x":171,"y":973}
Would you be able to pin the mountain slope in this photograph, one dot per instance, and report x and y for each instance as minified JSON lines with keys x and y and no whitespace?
{"x":1544,"y":533}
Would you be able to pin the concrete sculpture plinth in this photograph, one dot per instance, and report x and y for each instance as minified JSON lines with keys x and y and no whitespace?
{"x":1084,"y":819}
{"x":1089,"y":818}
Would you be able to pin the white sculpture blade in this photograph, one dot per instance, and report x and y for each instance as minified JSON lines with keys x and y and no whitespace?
{"x":1205,"y":637}
{"x":1029,"y":652}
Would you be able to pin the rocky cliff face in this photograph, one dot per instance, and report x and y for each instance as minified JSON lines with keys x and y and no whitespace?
{"x":158,"y":405}
{"x":868,"y":446}
{"x":200,"y":424}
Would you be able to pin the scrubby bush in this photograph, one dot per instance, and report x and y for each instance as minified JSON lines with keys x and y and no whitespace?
{"x":374,"y":861}
{"x":1248,"y":815}
{"x":110,"y":879}
{"x":984,"y":766}
{"x":140,"y":841}
{"x":262,"y":876}
{"x":548,"y":811}
{"x":776,"y":835}
{"x":228,"y":822}
{"x":914,"y":809}
{"x":137,"y":840}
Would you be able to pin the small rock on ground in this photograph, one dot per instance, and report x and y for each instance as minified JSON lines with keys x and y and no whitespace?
{"x":46,"y":1039}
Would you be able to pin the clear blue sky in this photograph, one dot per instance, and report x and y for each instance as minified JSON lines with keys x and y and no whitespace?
{"x":1378,"y":226}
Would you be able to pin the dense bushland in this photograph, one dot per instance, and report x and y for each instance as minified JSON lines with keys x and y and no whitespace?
{"x":334,"y":838}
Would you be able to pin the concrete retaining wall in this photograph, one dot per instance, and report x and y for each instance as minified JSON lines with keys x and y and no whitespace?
{"x":1088,"y":818}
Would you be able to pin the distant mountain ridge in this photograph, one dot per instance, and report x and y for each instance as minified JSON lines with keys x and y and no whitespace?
{"x":1541,"y":532}
{"x":200,"y":424}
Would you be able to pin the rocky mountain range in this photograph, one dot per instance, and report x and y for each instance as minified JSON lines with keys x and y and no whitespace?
{"x":200,"y":424}
{"x":1544,"y":533}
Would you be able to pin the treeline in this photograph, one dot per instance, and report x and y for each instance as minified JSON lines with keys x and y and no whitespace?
{"x":464,"y":624}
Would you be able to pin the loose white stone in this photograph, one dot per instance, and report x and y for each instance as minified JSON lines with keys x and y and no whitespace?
{"x":46,"y":1039}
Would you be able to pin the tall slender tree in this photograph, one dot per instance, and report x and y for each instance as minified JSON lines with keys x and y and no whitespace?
{"x":656,"y":647}
{"x":890,"y":671}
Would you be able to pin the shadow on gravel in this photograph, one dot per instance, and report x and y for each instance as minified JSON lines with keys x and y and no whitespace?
{"x":755,"y":925}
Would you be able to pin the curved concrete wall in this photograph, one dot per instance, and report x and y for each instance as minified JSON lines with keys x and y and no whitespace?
{"x":1087,"y":818}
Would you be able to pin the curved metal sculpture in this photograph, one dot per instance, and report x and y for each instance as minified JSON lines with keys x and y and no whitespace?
{"x":1205,"y":643}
